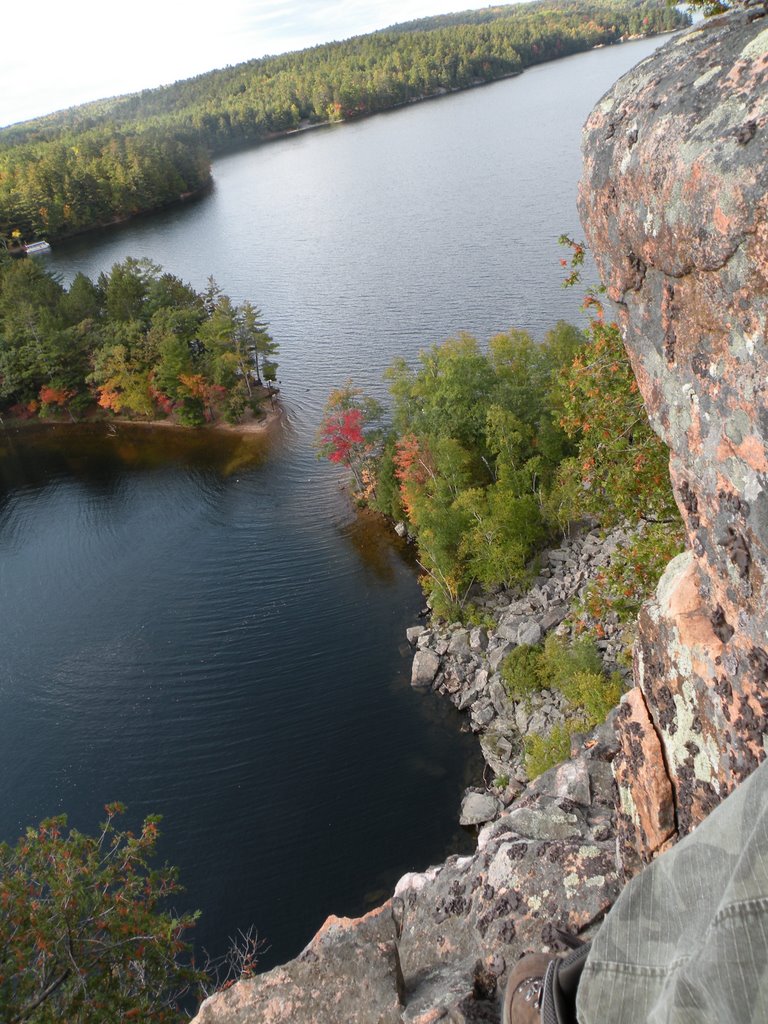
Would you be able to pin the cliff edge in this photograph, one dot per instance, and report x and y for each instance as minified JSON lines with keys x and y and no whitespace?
{"x":674,"y":200}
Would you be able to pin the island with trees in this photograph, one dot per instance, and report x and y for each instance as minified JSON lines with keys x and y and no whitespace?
{"x":107,"y":161}
{"x":137,"y":343}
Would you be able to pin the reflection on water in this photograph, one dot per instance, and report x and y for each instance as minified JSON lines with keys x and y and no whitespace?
{"x":31,"y":454}
{"x":374,"y":540}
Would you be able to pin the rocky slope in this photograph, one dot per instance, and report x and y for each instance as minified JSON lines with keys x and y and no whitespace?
{"x":674,"y":203}
{"x":674,"y":199}
{"x":464,"y":664}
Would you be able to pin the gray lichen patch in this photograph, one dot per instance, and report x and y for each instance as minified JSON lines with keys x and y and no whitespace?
{"x":738,"y":426}
{"x":756,"y":47}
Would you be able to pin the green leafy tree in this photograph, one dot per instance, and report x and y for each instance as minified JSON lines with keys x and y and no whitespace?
{"x":449,"y":393}
{"x":433,"y":474}
{"x":503,"y":532}
{"x":121,"y":381}
{"x":620,"y":470}
{"x":86,"y":935}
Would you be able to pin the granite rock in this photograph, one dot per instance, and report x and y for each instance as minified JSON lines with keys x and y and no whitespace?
{"x":674,"y":201}
{"x":349,"y":972}
{"x":425,"y":666}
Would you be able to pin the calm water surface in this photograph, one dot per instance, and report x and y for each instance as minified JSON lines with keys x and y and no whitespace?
{"x":201,"y":626}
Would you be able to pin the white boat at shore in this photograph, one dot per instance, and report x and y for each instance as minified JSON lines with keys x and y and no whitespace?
{"x":37,"y":248}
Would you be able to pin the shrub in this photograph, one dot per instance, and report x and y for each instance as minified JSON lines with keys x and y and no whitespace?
{"x":561,"y":661}
{"x":521,"y":671}
{"x":84,"y":936}
{"x":576,"y":671}
{"x":190,"y":412}
{"x":593,"y":693}
{"x":472,"y":615}
{"x":631,"y":578}
{"x":544,"y":752}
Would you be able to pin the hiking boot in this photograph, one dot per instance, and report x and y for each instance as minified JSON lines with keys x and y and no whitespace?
{"x":525,"y":990}
{"x":542,"y":988}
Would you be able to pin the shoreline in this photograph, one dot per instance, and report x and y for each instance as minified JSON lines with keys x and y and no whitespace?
{"x":271,"y":418}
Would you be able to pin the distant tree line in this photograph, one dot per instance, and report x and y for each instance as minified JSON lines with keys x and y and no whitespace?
{"x":137,"y":342}
{"x":112,"y":159}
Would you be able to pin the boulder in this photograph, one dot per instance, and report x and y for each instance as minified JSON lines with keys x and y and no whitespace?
{"x":481,"y":679}
{"x":569,"y":781}
{"x":483,"y":713}
{"x":497,"y":655}
{"x":425,"y":667}
{"x":529,"y":632}
{"x":543,"y":823}
{"x":458,"y":645}
{"x":468,"y":697}
{"x":478,"y":638}
{"x":552,"y":617}
{"x":498,"y":696}
{"x":509,"y":627}
{"x":477,"y":808}
{"x":500,"y":748}
{"x":336,"y":978}
{"x":522,"y":717}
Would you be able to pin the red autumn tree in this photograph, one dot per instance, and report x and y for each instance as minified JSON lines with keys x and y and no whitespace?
{"x":347,"y":433}
{"x":54,"y":396}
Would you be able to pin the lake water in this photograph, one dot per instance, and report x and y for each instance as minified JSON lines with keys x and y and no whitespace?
{"x":202,"y":626}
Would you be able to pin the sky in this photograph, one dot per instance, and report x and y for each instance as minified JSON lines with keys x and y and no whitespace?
{"x":57,"y":53}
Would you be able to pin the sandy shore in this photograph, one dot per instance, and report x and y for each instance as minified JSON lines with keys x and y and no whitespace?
{"x":271,"y":418}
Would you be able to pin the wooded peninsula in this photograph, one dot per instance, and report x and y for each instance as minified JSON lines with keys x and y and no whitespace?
{"x":107,"y":161}
{"x":137,"y":342}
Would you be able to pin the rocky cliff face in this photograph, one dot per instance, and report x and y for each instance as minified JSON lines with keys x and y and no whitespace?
{"x":674,"y":199}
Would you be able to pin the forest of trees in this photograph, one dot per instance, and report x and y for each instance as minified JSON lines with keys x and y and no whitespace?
{"x":486,"y":454}
{"x":112,"y":159}
{"x":137,"y":341}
